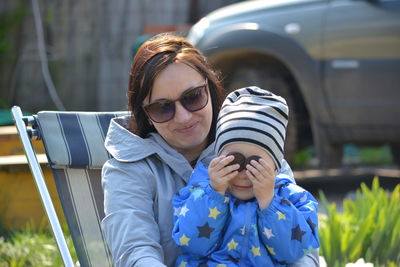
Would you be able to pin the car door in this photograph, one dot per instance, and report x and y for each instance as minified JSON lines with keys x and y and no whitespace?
{"x":361,"y":73}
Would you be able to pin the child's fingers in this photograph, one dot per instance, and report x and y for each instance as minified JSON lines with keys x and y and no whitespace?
{"x":256,"y":174}
{"x":270,"y":169}
{"x":214,"y":162}
{"x":263,"y":167}
{"x":220,"y":162}
{"x":228,"y":170}
{"x":252,"y":178}
{"x":226,"y":178}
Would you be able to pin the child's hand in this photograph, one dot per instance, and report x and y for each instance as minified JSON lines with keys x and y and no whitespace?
{"x":262,"y":175}
{"x":220,"y":174}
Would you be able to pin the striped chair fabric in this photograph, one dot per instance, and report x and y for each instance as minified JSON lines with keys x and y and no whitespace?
{"x":74,"y":144}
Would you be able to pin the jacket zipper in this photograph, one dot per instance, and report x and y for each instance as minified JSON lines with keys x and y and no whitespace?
{"x":247,"y":228}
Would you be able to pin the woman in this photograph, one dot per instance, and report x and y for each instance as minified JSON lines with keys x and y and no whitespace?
{"x":174,"y":97}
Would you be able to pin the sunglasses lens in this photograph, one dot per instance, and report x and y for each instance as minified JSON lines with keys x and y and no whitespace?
{"x":161,"y":111}
{"x":195,"y":99}
{"x":164,"y":110}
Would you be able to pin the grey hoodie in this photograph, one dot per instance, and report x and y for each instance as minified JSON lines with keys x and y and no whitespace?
{"x":139,"y":183}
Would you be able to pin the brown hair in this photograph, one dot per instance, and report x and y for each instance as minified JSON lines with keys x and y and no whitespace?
{"x":153,"y":57}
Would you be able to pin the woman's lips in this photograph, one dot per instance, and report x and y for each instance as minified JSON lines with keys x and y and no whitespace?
{"x":187,"y":129}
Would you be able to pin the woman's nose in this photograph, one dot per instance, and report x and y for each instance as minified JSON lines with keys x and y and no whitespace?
{"x":181,"y":114}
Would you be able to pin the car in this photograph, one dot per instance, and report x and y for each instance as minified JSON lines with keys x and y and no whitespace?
{"x":336,"y":62}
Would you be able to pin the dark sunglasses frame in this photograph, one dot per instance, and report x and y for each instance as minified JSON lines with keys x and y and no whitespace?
{"x":241,"y":160}
{"x":181,"y":99}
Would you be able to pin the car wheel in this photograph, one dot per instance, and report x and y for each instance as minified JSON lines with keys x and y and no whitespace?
{"x":274,"y":81}
{"x":329,"y":155}
{"x":395,"y":148}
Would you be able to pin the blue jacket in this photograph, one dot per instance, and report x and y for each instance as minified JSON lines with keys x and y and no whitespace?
{"x":215,"y":229}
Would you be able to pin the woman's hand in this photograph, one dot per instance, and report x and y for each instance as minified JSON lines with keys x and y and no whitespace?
{"x":262,"y":175}
{"x":220,"y":174}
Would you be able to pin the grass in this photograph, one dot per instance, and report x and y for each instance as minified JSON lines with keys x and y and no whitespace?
{"x":368,"y":228}
{"x":32,"y":246}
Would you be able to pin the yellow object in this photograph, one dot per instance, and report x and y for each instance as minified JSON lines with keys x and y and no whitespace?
{"x":20,"y":203}
{"x":184,"y":240}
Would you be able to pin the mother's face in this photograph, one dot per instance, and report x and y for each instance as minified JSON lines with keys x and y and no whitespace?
{"x":187,"y":130}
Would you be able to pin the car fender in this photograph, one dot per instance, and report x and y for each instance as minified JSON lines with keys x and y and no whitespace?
{"x":247,"y":37}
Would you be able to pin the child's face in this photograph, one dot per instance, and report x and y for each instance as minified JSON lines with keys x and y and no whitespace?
{"x":240,"y":186}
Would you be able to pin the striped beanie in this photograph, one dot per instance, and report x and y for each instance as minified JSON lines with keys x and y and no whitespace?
{"x":256,"y":116}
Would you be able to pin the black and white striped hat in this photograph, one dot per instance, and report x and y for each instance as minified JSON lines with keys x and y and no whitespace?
{"x":256,"y":116}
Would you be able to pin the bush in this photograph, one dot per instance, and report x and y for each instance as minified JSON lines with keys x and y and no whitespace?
{"x":31,"y":248}
{"x":368,"y":227}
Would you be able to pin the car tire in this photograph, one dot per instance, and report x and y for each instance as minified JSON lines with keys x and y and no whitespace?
{"x":272,"y":80}
{"x":329,"y":154}
{"x":395,"y":149}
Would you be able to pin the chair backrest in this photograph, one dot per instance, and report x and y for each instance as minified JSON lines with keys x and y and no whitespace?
{"x":74,"y":144}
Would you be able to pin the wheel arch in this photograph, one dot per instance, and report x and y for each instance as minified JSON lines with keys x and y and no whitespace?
{"x":226,"y":65}
{"x":238,"y":42}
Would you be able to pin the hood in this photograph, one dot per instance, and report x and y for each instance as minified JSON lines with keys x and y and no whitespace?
{"x":125,"y":146}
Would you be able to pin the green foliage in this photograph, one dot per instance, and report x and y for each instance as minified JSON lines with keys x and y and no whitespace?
{"x":368,"y":227}
{"x":33,"y":246}
{"x":8,"y":22}
{"x":303,"y":157}
{"x":376,"y":155}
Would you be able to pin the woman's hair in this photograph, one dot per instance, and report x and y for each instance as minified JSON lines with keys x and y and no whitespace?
{"x":152,"y":58}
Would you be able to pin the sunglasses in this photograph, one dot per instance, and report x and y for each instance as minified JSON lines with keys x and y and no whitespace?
{"x":241,"y":160}
{"x":192,"y":100}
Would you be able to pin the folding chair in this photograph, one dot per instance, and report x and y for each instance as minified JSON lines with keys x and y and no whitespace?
{"x":74,"y":147}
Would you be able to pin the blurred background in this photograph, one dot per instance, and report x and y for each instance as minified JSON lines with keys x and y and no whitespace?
{"x":89,"y":47}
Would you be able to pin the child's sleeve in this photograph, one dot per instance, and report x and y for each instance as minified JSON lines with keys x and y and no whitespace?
{"x":199,"y":215}
{"x":289,"y":226}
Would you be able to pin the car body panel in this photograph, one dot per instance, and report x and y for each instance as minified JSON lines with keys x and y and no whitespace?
{"x":362,"y":64}
{"x":343,"y":54}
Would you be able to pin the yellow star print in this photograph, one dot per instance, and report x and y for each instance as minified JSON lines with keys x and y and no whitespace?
{"x":184,"y":240}
{"x":256,"y":251}
{"x":281,"y":216}
{"x":183,"y":264}
{"x":232,"y":245}
{"x":271,"y":250}
{"x":221,"y":265}
{"x":214,"y":213}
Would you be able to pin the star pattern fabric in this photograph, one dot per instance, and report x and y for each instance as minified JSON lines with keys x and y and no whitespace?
{"x":232,"y":244}
{"x":198,"y":193}
{"x":271,"y":250}
{"x":268,"y":233}
{"x":177,"y":211}
{"x":243,"y":230}
{"x":183,"y":211}
{"x":255,"y":251}
{"x":184,"y":240}
{"x":281,"y":216}
{"x":285,"y":201}
{"x":215,"y":229}
{"x":214,"y":212}
{"x":255,"y":230}
{"x":312,"y":225}
{"x":297,"y":233}
{"x":205,"y":230}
